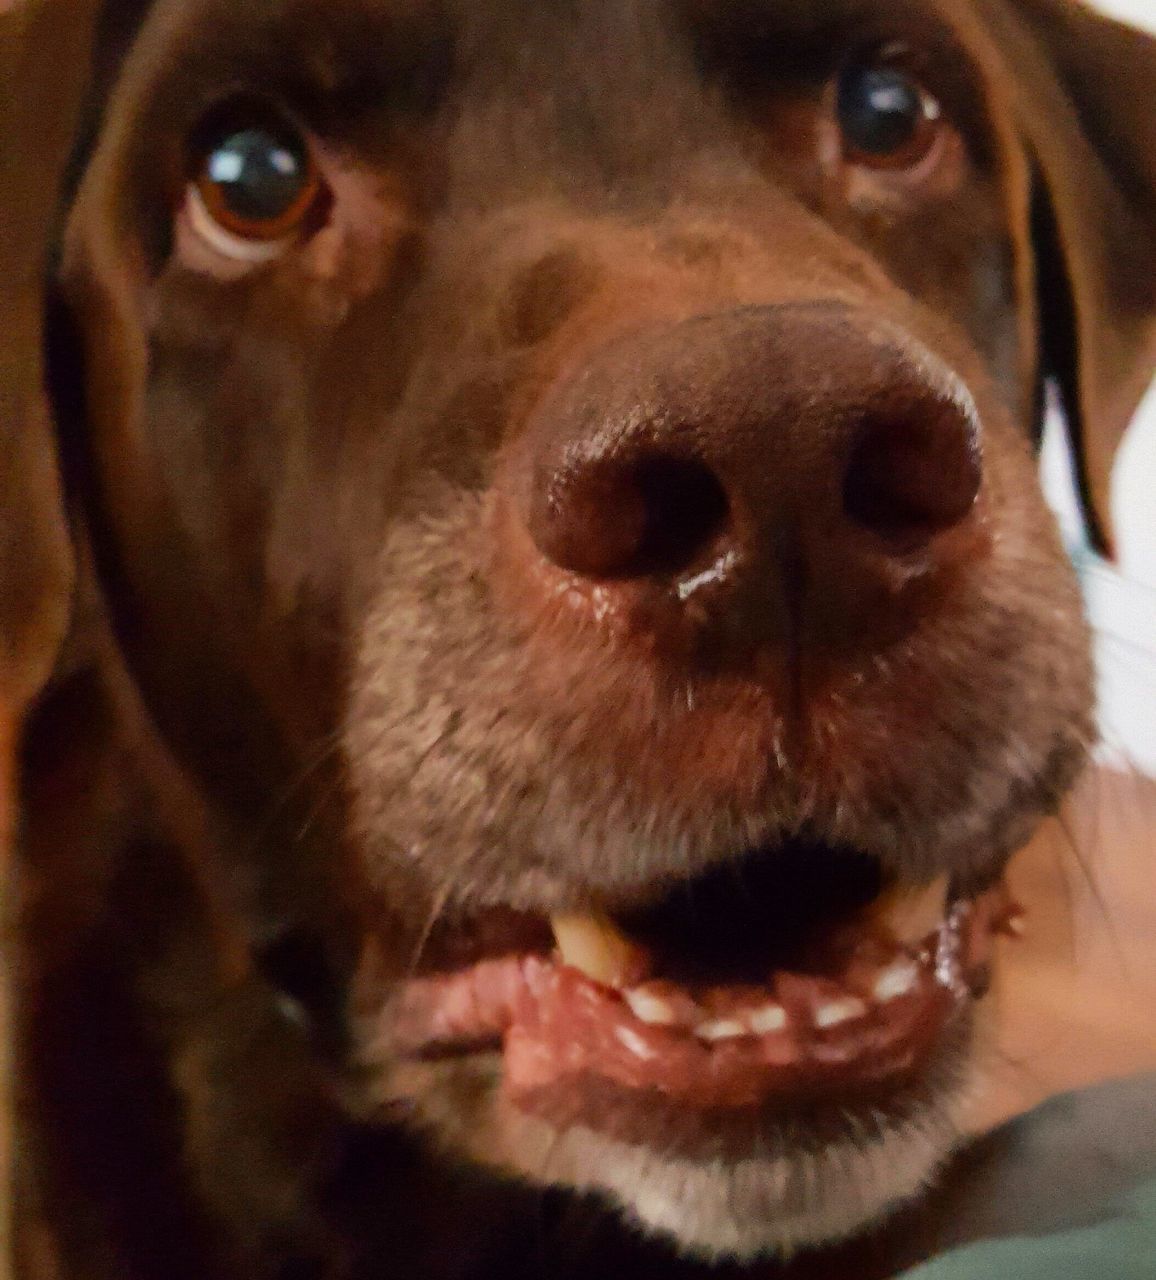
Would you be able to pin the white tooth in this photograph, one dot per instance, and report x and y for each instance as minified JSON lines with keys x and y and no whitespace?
{"x":635,"y":1043}
{"x":720,"y":1029}
{"x":899,"y":979}
{"x":836,"y":1012}
{"x":651,"y":1009}
{"x":912,"y":915}
{"x":594,"y":945}
{"x":771,"y":1017}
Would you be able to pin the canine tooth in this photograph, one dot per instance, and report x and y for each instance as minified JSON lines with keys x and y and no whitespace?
{"x":633,"y":1042}
{"x":649,"y":1008}
{"x":593,"y":945}
{"x":899,"y":979}
{"x":836,"y":1012}
{"x":910,"y":915}
{"x":720,"y":1029}
{"x":771,"y":1017}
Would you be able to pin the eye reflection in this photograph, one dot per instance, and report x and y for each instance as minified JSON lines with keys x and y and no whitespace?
{"x":254,"y":175}
{"x":886,"y":117}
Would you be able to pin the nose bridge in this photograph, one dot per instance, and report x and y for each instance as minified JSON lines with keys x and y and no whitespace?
{"x":566,"y":280}
{"x":599,"y":101}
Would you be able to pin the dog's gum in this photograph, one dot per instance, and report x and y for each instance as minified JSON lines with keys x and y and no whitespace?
{"x":728,"y":1046}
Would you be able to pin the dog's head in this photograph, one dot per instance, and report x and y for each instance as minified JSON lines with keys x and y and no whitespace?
{"x":574,"y":463}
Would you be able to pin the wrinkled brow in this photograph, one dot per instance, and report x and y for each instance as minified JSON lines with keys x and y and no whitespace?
{"x":785,"y":30}
{"x":333,"y":58}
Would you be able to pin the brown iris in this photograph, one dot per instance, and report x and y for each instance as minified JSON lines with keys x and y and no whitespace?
{"x":255,"y":174}
{"x":887,"y":119}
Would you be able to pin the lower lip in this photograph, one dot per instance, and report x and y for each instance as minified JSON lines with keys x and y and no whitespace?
{"x":799,"y":1037}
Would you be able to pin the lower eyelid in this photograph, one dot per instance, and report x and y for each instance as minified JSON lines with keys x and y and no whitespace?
{"x":209,"y":230}
{"x":937,"y":175}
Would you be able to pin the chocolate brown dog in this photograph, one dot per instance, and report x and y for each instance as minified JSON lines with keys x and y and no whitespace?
{"x":568,"y":632}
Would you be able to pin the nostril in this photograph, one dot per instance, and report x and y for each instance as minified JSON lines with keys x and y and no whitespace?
{"x":685,"y":507}
{"x":914,"y":474}
{"x":609,"y":517}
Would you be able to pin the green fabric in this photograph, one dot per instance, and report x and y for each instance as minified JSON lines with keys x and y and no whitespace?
{"x":1120,"y":1247}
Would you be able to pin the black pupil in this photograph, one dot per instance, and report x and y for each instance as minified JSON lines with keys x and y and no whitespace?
{"x":260,"y":173}
{"x":880,"y":109}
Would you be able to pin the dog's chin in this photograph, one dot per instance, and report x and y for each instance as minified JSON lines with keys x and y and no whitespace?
{"x":643,"y":1059}
{"x":767,"y":1203}
{"x":756,"y":1186}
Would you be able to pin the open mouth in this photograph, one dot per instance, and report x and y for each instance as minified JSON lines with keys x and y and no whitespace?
{"x":790,"y":975}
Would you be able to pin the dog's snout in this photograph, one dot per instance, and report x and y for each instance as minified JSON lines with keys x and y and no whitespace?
{"x":727,"y":438}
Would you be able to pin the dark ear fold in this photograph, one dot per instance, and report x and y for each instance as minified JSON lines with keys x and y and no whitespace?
{"x":1086,"y":88}
{"x":44,"y":67}
{"x":44,"y":63}
{"x":57,"y":58}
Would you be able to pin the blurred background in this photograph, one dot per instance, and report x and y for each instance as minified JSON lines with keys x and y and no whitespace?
{"x":1122,"y":597}
{"x":1079,"y":989}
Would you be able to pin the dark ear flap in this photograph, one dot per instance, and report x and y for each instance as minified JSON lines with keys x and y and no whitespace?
{"x":57,"y":58}
{"x":44,"y":62}
{"x":1086,"y":88}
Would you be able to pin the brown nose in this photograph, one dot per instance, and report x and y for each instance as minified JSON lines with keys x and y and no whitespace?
{"x":737,"y":432}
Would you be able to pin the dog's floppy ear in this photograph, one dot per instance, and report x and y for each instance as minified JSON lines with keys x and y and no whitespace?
{"x":44,"y":61}
{"x":57,"y":60}
{"x":1086,"y":91}
{"x":43,"y":66}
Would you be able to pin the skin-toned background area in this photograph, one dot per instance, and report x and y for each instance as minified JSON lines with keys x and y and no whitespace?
{"x":1121,"y":597}
{"x":1078,"y":992}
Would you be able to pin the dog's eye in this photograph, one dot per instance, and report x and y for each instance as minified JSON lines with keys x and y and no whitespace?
{"x":254,"y":184}
{"x":887,"y":119}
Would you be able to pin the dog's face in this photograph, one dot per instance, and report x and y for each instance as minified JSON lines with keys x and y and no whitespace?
{"x":572,"y":463}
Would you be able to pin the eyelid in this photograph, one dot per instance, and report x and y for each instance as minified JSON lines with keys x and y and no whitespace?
{"x":905,"y":57}
{"x":250,"y":240}
{"x":209,"y":230}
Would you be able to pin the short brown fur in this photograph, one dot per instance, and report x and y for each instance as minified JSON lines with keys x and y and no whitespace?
{"x":313,"y":631}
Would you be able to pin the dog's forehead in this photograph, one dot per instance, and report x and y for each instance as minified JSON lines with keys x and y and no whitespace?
{"x":332,"y":41}
{"x":624,"y":95}
{"x":790,"y":15}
